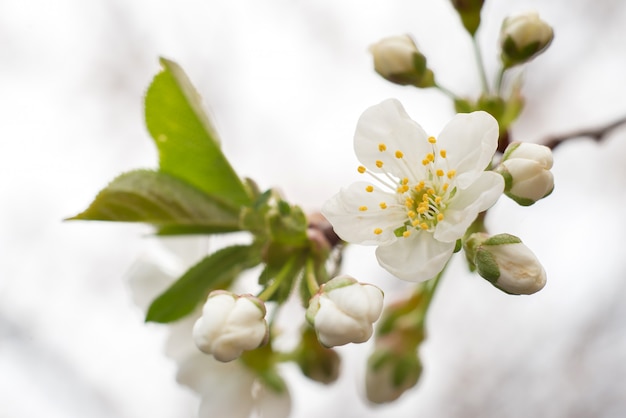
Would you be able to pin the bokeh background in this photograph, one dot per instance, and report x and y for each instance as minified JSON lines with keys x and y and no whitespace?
{"x":285,"y":82}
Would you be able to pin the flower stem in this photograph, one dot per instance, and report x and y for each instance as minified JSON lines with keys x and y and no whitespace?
{"x":428,"y":288}
{"x":445,"y":91}
{"x":311,"y":280}
{"x":499,"y":81}
{"x":284,"y":272}
{"x":481,"y":66}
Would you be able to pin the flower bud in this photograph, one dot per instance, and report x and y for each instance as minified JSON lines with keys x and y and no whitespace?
{"x":317,"y":362}
{"x":391,"y":370}
{"x":469,"y":11}
{"x":343,"y":311}
{"x":230,"y":324}
{"x":398,"y":60}
{"x":523,"y":37}
{"x":506,"y":263}
{"x":526,"y":171}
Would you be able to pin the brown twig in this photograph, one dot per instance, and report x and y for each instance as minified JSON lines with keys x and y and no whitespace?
{"x":596,"y":134}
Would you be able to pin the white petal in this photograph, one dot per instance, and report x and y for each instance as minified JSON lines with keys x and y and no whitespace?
{"x":470,"y":140}
{"x":357,"y":226}
{"x":270,"y":404}
{"x":417,"y":258}
{"x":388,"y":123}
{"x":467,"y":204}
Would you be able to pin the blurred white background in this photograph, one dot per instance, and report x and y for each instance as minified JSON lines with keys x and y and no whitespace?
{"x":285,"y":82}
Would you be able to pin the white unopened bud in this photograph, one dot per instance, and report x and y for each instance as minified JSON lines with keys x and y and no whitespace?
{"x":230,"y":324}
{"x":398,"y":60}
{"x":344,"y":310}
{"x":526,"y":171}
{"x":523,"y":37}
{"x":507,"y":263}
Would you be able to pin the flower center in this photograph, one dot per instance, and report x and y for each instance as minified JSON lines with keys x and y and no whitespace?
{"x":425,"y":197}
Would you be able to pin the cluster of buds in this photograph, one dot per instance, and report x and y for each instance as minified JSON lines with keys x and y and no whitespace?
{"x":506,"y":263}
{"x":342,"y":311}
{"x":526,"y":171}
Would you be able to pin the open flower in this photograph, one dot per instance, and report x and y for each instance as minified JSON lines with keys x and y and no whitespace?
{"x":425,"y":191}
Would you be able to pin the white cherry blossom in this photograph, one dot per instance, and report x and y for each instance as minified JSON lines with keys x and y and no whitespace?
{"x":423,"y":191}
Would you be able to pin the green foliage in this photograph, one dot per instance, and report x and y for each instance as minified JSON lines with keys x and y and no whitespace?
{"x":187,"y":143}
{"x":216,"y":271}
{"x":162,"y":200}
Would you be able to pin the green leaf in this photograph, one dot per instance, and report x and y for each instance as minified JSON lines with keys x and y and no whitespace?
{"x":186,"y":140}
{"x":215,"y":271}
{"x":160,"y":199}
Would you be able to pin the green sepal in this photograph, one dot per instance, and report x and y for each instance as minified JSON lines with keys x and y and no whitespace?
{"x":463,"y":106}
{"x":486,"y":265}
{"x":502,"y":239}
{"x":162,"y":200}
{"x":186,"y":140}
{"x":512,"y":55}
{"x":494,"y":105}
{"x":262,"y":361}
{"x":216,"y":271}
{"x":522,"y":201}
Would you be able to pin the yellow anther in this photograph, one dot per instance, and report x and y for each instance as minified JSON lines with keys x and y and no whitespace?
{"x":378,"y":231}
{"x":361,"y":169}
{"x":362,"y":208}
{"x":430,"y":191}
{"x":422,"y":209}
{"x":424,"y":225}
{"x":421,"y":184}
{"x":440,"y":217}
{"x":403,"y":189}
{"x":430,"y":157}
{"x":411,"y":214}
{"x":451,"y":174}
{"x":438,"y":200}
{"x":440,"y":172}
{"x":383,"y":205}
{"x":425,"y":161}
{"x":445,"y":186}
{"x":399,"y":154}
{"x":369,"y":189}
{"x":406,"y":234}
{"x":379,"y":163}
{"x":432,"y":139}
{"x":415,"y":222}
{"x":417,"y":187}
{"x":405,"y":180}
{"x":443,"y":153}
{"x":382,"y":147}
